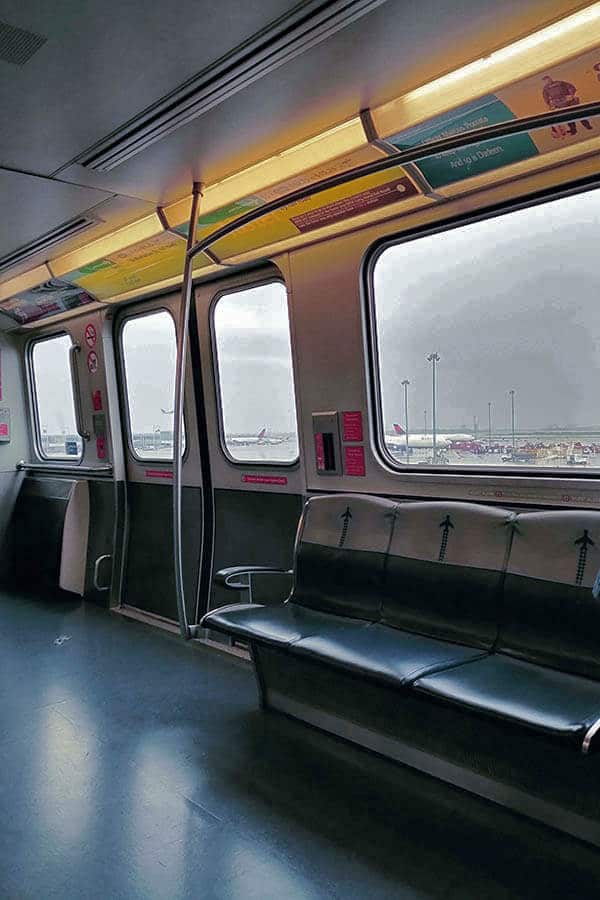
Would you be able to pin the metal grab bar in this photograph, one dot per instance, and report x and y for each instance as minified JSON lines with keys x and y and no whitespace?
{"x":432,"y":148}
{"x":97,"y":565}
{"x":187,"y":631}
{"x":74,"y":349}
{"x":413,"y":154}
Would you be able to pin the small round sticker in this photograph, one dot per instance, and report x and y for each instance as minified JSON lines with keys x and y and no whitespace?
{"x":90,"y":335}
{"x":92,"y":362}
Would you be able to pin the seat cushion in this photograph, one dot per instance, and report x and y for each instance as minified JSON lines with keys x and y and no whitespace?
{"x":340,"y":555}
{"x":554,"y":702}
{"x":377,"y":651}
{"x":444,"y":570}
{"x":280,"y":625}
{"x":550,"y":614}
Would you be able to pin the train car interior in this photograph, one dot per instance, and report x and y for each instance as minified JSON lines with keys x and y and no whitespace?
{"x":299,"y":450}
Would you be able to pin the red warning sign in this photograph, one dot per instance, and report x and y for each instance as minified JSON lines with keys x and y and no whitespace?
{"x":159,"y":473}
{"x":354,"y":461}
{"x":320,"y":452}
{"x":353,"y":428}
{"x":91,"y":335}
{"x":101,"y":447}
{"x":92,"y":362}
{"x":97,"y":400}
{"x":264,"y":479}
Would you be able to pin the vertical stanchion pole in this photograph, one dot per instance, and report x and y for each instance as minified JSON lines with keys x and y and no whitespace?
{"x":405,"y":384}
{"x":182,"y":344}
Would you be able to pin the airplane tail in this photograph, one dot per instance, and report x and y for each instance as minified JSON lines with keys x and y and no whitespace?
{"x":398,"y":429}
{"x":261,"y":434}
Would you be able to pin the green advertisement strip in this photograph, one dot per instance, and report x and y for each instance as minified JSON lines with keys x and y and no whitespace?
{"x":208,"y":221}
{"x":483,"y":156}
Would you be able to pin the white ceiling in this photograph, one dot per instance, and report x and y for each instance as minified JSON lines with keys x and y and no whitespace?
{"x":103,"y":62}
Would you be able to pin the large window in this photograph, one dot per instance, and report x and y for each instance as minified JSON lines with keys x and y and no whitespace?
{"x":53,"y":397}
{"x":149,"y":355}
{"x":487,"y":341}
{"x":255,"y":376}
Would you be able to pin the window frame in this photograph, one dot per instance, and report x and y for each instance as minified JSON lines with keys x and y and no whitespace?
{"x":226,"y":292}
{"x":126,"y":416}
{"x":371,"y":256}
{"x":34,"y":406}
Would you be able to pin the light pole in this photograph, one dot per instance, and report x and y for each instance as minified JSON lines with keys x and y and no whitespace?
{"x":512,"y":417}
{"x":425,"y":421}
{"x":434,"y":359}
{"x":405,"y":385}
{"x":489,"y":422}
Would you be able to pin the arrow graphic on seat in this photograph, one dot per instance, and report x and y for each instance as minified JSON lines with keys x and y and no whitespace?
{"x":584,"y":542}
{"x":446,"y":525}
{"x":346,"y":517}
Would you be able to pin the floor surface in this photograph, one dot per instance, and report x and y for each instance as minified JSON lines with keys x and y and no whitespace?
{"x":133,"y":765}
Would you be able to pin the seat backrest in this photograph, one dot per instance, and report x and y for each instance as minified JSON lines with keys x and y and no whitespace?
{"x":550,"y":615}
{"x":444,"y":570}
{"x":340,"y":554}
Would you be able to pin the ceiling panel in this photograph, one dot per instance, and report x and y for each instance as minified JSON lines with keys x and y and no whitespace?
{"x":111,"y":214}
{"x":105,"y":61}
{"x":32,"y":206}
{"x":391,"y":50}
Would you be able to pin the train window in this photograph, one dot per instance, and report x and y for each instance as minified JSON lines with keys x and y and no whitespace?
{"x":54,"y":402}
{"x":485,"y":341}
{"x":255,"y":375}
{"x":149,"y":348}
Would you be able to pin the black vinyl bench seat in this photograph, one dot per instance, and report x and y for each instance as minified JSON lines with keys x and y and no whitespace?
{"x":456,"y":605}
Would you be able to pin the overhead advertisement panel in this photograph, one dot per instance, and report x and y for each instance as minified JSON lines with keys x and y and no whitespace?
{"x":48,"y":299}
{"x":148,"y":262}
{"x":211,"y":221}
{"x":389,"y":191}
{"x":561,"y":87}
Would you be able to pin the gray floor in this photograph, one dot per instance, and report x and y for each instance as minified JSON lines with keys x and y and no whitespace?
{"x":133,"y":765}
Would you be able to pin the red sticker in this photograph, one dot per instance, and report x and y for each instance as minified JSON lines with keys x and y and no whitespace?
{"x":90,"y":335}
{"x":97,"y":401}
{"x":320,"y":452}
{"x":92,"y":362}
{"x":3,"y":429}
{"x":264,"y":479}
{"x":101,"y":447}
{"x":354,"y":461}
{"x":159,"y":473}
{"x":353,"y":429}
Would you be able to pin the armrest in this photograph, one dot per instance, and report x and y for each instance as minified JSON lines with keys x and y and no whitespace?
{"x":226,"y":576}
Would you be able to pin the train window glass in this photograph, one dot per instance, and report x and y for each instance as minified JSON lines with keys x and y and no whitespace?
{"x":485,"y":341}
{"x":255,"y":375}
{"x":149,"y":348}
{"x":53,"y":395}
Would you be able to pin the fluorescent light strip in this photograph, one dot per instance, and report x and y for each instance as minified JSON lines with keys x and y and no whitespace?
{"x":289,"y":163}
{"x":138,"y":231}
{"x":24,"y":282}
{"x":569,"y":37}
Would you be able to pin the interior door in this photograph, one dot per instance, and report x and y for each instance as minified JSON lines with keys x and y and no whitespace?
{"x":257,"y":477}
{"x":146,"y":341}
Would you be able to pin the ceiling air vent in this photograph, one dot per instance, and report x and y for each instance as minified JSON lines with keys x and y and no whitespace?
{"x":17,"y":46}
{"x":307,"y":24}
{"x":69,"y":229}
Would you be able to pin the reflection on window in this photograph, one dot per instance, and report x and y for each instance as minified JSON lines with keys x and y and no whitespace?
{"x":256,"y":381}
{"x":53,"y":393}
{"x":149,"y":356}
{"x":487,"y":344}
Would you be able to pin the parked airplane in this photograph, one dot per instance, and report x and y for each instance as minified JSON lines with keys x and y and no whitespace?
{"x":423,"y":441}
{"x":243,"y":440}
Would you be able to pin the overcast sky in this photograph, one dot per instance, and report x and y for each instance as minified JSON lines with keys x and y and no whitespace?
{"x":511,"y":302}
